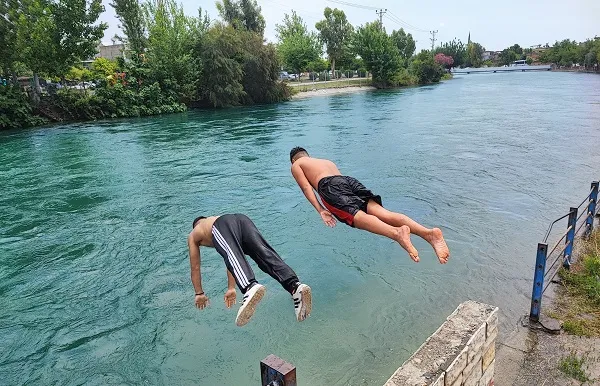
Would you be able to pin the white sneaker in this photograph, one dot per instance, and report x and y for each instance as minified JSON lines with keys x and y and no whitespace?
{"x":251,"y":299}
{"x":302,"y":302}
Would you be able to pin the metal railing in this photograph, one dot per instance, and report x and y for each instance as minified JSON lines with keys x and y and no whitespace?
{"x":575,"y":224}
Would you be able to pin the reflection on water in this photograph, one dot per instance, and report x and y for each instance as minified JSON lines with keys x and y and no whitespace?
{"x":94,"y":276}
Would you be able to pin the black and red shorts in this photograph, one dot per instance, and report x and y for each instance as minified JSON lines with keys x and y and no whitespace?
{"x":343,"y":196}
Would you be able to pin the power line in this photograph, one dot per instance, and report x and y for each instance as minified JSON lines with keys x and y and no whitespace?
{"x":352,"y":4}
{"x":381,"y":12}
{"x":405,"y":23}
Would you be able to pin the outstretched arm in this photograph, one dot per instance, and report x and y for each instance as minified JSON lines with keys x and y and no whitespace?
{"x":309,"y":193}
{"x":201,"y":299}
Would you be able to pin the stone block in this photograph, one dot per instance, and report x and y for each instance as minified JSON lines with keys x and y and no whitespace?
{"x":440,"y":381}
{"x":489,"y":356}
{"x":475,"y":344}
{"x":473,"y":370}
{"x":457,"y":382}
{"x":491,"y":337}
{"x":442,"y":353}
{"x":454,"y":371}
{"x":488,"y":376}
{"x":492,"y":322}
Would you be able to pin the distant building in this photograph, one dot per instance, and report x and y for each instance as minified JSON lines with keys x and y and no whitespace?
{"x":490,"y":55}
{"x":111,"y":51}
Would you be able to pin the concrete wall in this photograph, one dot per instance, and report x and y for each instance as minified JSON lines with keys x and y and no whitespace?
{"x":461,"y":352}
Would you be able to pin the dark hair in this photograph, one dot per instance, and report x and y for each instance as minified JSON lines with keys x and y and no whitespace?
{"x":196,"y":220}
{"x":295,"y":151}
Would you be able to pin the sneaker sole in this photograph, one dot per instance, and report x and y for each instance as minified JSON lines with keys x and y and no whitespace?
{"x":306,"y":302}
{"x":248,"y":311}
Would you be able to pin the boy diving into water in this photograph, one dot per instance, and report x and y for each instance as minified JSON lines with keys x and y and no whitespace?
{"x":349,"y":201}
{"x":233,"y":236}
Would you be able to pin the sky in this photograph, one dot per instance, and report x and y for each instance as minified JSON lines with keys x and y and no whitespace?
{"x":494,"y":24}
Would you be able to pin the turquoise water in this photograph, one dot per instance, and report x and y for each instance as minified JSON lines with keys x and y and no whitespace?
{"x":94,"y":273}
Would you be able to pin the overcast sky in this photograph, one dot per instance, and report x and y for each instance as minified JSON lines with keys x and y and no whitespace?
{"x":494,"y":24}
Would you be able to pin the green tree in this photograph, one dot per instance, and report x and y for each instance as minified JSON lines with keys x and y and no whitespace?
{"x":103,"y":68}
{"x":8,"y":36}
{"x":336,"y":33}
{"x":297,"y":47}
{"x":529,"y":60}
{"x":405,"y":43}
{"x":221,"y":81}
{"x":425,"y":68}
{"x":171,"y":39}
{"x":564,"y":53}
{"x":456,"y":49}
{"x":474,"y":54}
{"x":130,"y":15}
{"x":244,"y":14}
{"x":379,"y":53}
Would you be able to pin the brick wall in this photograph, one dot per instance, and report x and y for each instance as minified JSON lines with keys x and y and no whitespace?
{"x":460,"y":353}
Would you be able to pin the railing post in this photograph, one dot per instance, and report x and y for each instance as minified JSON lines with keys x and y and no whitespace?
{"x":591,"y":210}
{"x":538,"y":282}
{"x":570,"y":238}
{"x":274,"y":371}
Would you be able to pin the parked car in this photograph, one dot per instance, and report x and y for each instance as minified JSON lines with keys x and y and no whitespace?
{"x":283,"y":75}
{"x":293,"y":77}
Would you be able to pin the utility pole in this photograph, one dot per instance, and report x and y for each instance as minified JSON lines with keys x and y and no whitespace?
{"x":432,"y":39}
{"x":381,"y":12}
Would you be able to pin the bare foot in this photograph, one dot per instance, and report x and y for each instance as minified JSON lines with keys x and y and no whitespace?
{"x":404,"y":240}
{"x":436,"y":239}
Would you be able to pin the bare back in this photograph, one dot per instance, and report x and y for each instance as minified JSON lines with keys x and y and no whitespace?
{"x":202,"y":232}
{"x":315,"y":169}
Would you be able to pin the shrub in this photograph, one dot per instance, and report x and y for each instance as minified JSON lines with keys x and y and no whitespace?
{"x":15,"y":110}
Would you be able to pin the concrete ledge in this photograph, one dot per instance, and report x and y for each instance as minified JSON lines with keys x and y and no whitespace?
{"x":461,"y":352}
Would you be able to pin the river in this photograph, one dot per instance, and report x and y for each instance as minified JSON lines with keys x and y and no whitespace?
{"x":94,"y":272}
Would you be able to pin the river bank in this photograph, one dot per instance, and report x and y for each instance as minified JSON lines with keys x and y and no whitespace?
{"x":572,"y":357}
{"x":332,"y":91}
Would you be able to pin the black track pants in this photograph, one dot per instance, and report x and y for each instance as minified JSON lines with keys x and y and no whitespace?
{"x":235,"y":235}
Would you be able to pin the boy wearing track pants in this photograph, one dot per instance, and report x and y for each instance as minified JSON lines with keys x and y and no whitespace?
{"x":234,"y":236}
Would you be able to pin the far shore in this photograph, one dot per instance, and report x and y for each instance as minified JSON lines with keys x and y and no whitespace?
{"x":331,"y":91}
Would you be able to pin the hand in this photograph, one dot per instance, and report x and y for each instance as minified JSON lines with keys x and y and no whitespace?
{"x":328,"y":218}
{"x":202,"y":301}
{"x":230,"y":297}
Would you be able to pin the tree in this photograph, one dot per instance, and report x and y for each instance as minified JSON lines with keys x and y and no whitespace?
{"x":297,"y":47}
{"x":529,"y":60}
{"x":76,"y":34}
{"x":474,"y":55}
{"x":130,"y":15}
{"x":245,"y":14}
{"x":563,"y":53}
{"x":426,"y":69}
{"x":221,"y":81}
{"x":171,"y":39}
{"x":103,"y":68}
{"x":443,"y":60}
{"x":455,"y":49}
{"x":405,"y":43}
{"x":51,"y":37}
{"x":379,"y":53}
{"x":8,"y":38}
{"x":336,"y":33}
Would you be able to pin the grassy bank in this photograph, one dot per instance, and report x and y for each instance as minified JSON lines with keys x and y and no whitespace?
{"x":309,"y":86}
{"x":578,"y":303}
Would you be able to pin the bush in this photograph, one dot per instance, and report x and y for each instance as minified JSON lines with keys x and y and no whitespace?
{"x":426,"y":69}
{"x":405,"y":78}
{"x":110,"y":102}
{"x":15,"y":110}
